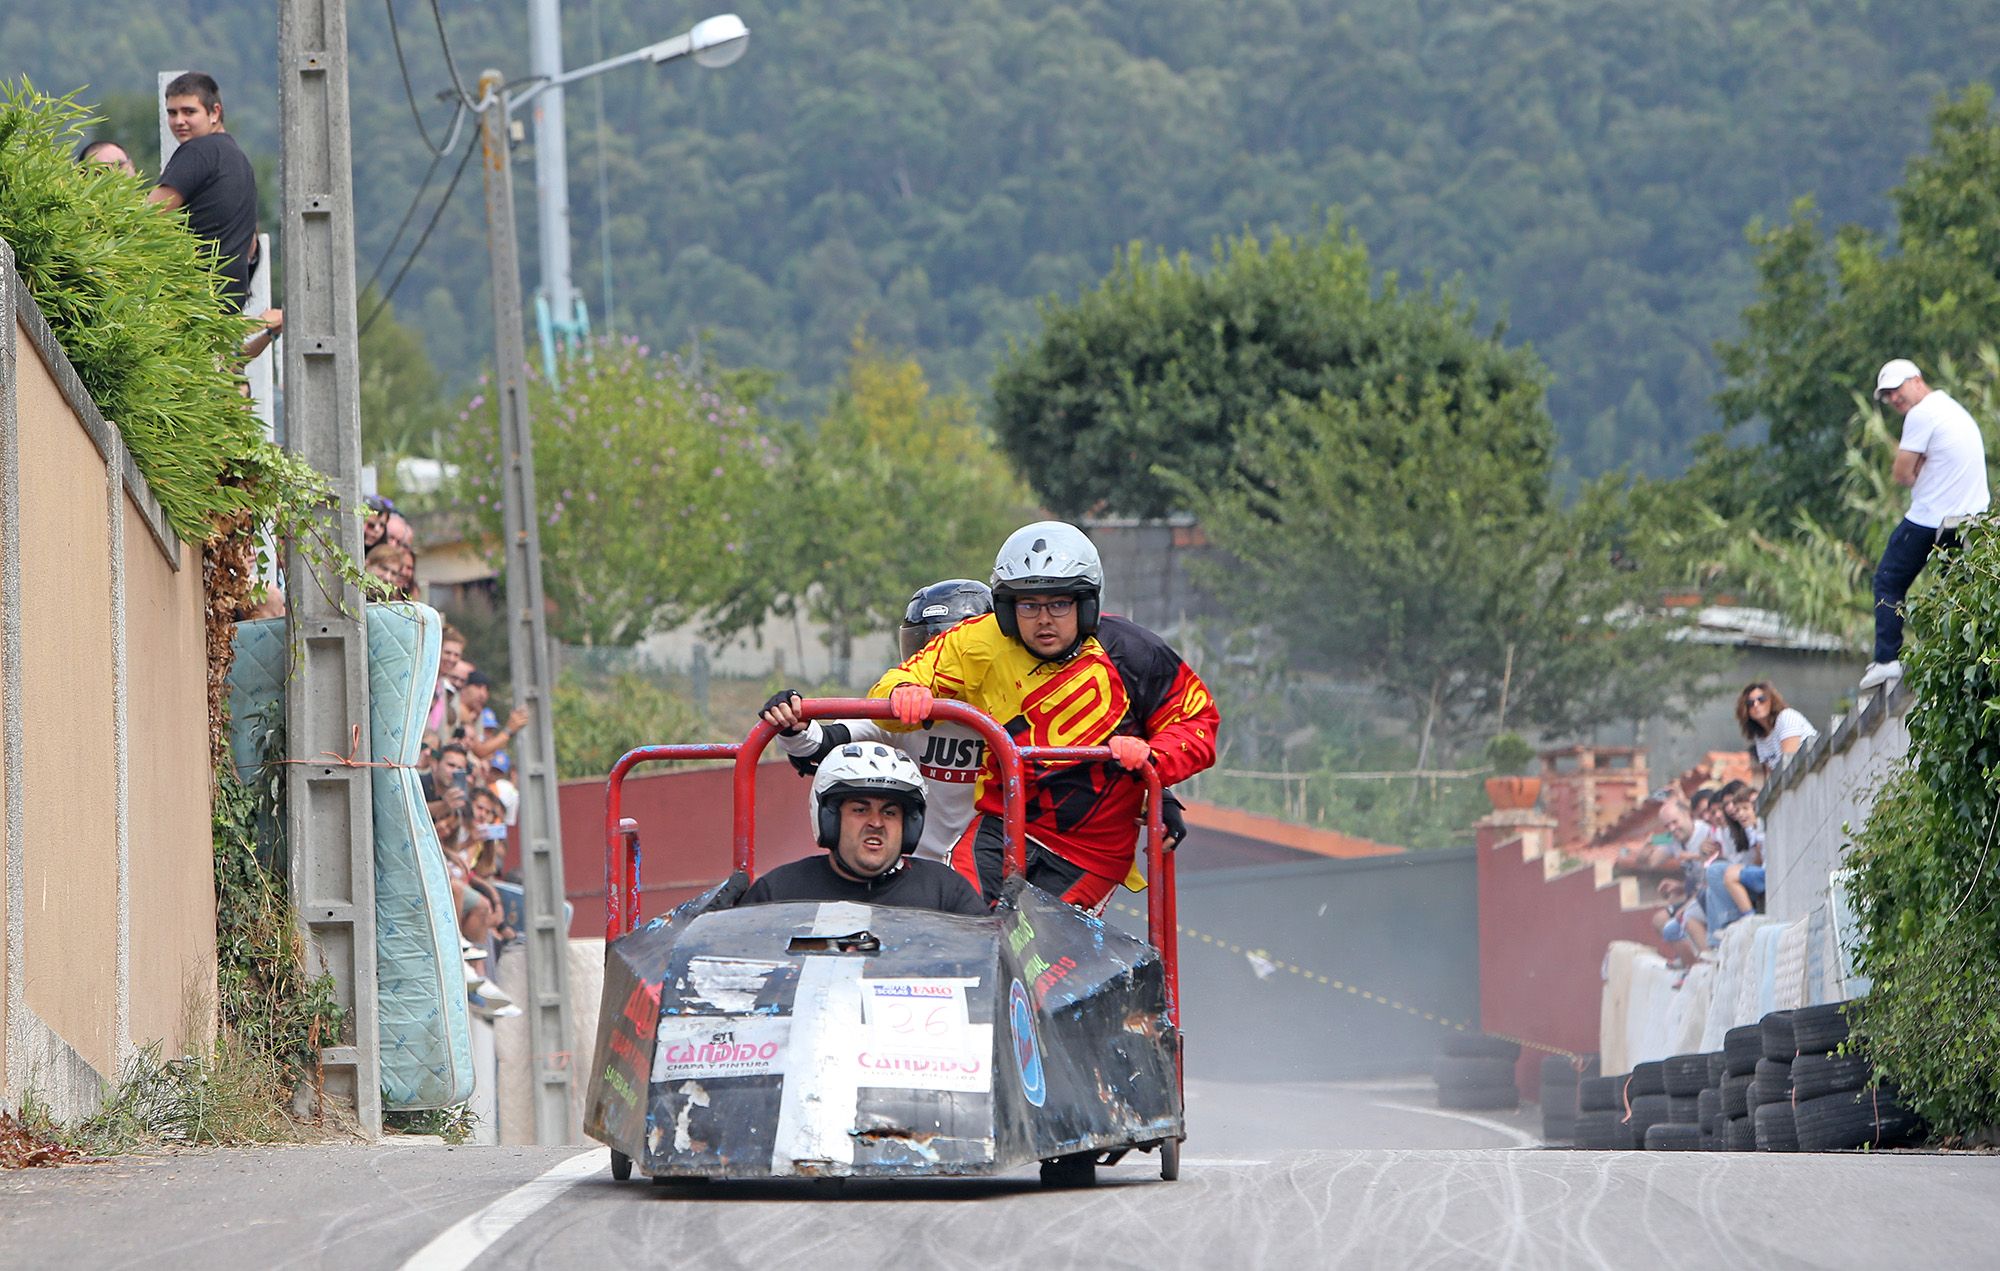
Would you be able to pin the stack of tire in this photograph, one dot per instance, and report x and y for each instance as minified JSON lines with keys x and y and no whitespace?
{"x":1742,"y":1050}
{"x":1682,"y":1079}
{"x":1770,"y":1094}
{"x":1475,"y":1073}
{"x":1561,"y":1078}
{"x":1833,"y":1104}
{"x":1600,"y":1116}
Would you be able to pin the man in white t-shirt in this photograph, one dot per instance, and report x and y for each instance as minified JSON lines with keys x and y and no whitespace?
{"x":1942,"y":458}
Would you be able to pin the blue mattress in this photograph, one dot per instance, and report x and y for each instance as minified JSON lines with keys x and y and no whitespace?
{"x":426,"y":1043}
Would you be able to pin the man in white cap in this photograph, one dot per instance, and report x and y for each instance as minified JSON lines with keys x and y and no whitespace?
{"x":1942,"y":458}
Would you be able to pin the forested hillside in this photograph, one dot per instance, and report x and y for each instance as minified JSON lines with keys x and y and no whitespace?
{"x":931,"y":170}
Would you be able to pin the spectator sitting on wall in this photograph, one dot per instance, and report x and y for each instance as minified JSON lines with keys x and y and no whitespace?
{"x":211,"y":179}
{"x":1774,"y":730}
{"x":1680,"y":923}
{"x":1733,"y":877}
{"x":1682,"y":839}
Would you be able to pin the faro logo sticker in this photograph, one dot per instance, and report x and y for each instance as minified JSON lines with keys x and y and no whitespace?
{"x":1027,"y":1050}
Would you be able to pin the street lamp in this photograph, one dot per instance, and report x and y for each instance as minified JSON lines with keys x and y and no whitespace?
{"x":715,"y":42}
{"x":712,"y":42}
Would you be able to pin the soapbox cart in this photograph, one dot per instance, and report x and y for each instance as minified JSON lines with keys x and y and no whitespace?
{"x":841,"y":1040}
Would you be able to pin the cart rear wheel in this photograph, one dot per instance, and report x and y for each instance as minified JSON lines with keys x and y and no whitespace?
{"x":1078,"y":1169}
{"x":621,"y":1165}
{"x":1170,"y":1159}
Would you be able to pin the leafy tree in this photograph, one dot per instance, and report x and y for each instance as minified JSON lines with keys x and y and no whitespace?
{"x":1829,"y":313}
{"x":1818,"y":572}
{"x":1133,"y":400}
{"x":1405,"y":537}
{"x":649,"y":488}
{"x":899,"y":488}
{"x":599,"y":718}
{"x":1586,"y":166}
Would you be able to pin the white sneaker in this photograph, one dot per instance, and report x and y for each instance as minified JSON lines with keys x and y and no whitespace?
{"x":490,"y":994}
{"x":1881,"y":673}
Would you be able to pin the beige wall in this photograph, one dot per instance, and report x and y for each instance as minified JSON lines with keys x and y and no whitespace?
{"x":172,"y":860}
{"x":109,"y":906}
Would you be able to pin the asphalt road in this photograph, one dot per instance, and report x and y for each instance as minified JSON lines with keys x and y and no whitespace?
{"x":1279,"y":1176}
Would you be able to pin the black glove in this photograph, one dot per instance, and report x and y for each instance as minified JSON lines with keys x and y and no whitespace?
{"x":1170,"y":816}
{"x":781,"y":698}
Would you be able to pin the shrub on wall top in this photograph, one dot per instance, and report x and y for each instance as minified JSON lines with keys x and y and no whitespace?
{"x":1926,"y":888}
{"x":133,"y":298}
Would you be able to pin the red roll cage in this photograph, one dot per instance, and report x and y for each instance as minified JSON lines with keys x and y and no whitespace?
{"x":621,"y":834}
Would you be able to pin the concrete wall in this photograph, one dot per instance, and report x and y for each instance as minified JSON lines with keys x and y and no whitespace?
{"x":109,"y":907}
{"x":1544,"y":924}
{"x":1808,"y":806}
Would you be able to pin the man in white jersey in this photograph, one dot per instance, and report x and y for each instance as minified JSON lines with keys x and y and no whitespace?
{"x":949,"y":755}
{"x":1942,"y":458}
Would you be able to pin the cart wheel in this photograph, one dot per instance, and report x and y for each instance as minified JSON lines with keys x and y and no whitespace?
{"x":621,"y":1165}
{"x":1078,"y":1169}
{"x":1170,"y":1159}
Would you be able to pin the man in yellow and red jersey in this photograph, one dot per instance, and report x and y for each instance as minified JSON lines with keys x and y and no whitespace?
{"x":1054,"y":671}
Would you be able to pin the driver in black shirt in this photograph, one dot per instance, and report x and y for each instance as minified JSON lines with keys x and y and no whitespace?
{"x":868,"y":811}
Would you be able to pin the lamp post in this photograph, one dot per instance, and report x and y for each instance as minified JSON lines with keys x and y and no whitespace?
{"x":560,"y":315}
{"x":715,"y":42}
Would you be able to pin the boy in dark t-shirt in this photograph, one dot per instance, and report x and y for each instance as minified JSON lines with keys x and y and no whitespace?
{"x":868,"y":812}
{"x":211,"y":179}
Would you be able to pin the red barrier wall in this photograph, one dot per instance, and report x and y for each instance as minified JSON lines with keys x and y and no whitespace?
{"x":684,"y":818}
{"x":1542,"y":941}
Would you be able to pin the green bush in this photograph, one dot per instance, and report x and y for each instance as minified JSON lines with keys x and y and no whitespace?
{"x":132,"y":296}
{"x":1926,"y":889}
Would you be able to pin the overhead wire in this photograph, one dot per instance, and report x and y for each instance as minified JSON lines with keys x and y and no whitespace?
{"x":465,"y":99}
{"x":437,"y":214}
{"x":463,"y":106}
{"x":410,"y":93}
{"x":416,"y":201}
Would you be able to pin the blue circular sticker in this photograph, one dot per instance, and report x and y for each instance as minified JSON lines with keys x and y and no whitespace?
{"x":1027,"y":1049}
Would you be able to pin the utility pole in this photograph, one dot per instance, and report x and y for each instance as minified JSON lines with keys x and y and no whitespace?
{"x":527,"y":647}
{"x":552,"y":172}
{"x":329,"y":816}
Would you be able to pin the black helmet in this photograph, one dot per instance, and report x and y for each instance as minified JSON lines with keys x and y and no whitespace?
{"x":940,"y":607}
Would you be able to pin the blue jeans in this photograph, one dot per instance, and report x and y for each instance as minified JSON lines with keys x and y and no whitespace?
{"x":1902,"y":560}
{"x":1716,"y":902}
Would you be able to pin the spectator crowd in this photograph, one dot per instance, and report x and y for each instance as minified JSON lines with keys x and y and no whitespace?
{"x":1708,"y":856}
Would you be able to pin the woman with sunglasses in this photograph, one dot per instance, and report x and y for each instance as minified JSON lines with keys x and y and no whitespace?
{"x":1773,"y":729}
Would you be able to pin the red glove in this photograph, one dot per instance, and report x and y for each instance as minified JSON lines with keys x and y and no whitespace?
{"x":1132,"y":753}
{"x":911,"y":703}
